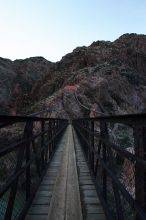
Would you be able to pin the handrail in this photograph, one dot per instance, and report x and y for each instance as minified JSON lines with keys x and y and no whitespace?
{"x":115,"y":117}
{"x":28,"y":160}
{"x":121,"y":189}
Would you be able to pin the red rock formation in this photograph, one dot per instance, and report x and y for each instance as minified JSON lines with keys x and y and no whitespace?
{"x":71,"y":88}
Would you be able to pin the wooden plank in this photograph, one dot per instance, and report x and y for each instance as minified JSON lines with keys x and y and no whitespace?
{"x":89,"y":192}
{"x":44,"y":194}
{"x":47,"y":182}
{"x":51,"y":173}
{"x":85,"y":182}
{"x":83,"y":187}
{"x":85,"y":177}
{"x":36,"y":217}
{"x":91,"y":200}
{"x":95,"y":217}
{"x":84,"y":174}
{"x":46,"y":187}
{"x":49,"y":179}
{"x":41,"y":200}
{"x":39,"y":209}
{"x":94,"y":209}
{"x":84,"y":171}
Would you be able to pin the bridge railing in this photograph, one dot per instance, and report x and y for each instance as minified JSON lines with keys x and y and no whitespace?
{"x":115,"y":147}
{"x":27,"y":145}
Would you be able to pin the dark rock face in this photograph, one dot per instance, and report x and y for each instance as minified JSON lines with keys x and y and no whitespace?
{"x":17,"y":80}
{"x":110,"y":76}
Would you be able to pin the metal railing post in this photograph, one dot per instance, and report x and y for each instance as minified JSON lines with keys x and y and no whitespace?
{"x":28,"y":135}
{"x":92,"y":146}
{"x":103,"y":134}
{"x":51,"y":135}
{"x":140,"y":172}
{"x":42,"y":144}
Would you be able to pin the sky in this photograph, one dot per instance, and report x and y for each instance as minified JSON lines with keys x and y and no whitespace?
{"x":53,"y":28}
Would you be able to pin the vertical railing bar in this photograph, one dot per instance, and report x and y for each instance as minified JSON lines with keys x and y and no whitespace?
{"x":103,"y":133}
{"x":47,"y":146}
{"x":97,"y":160}
{"x":54,"y":131}
{"x":51,"y":135}
{"x":92,"y":148}
{"x":140,"y":174}
{"x":37,"y":161}
{"x":28,"y":135}
{"x":42,"y":144}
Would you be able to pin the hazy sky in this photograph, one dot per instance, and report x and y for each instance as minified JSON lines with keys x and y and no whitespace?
{"x":52,"y":28}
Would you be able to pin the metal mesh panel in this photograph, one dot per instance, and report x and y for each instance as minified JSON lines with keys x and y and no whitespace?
{"x":7,"y":166}
{"x":111,"y":203}
{"x":20,"y":198}
{"x":11,"y":134}
{"x":122,"y":135}
{"x":3,"y":204}
{"x":123,"y":167}
{"x":128,"y":212}
{"x":99,"y":176}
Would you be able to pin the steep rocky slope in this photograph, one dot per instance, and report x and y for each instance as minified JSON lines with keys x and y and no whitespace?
{"x":110,"y":77}
{"x":17,"y":80}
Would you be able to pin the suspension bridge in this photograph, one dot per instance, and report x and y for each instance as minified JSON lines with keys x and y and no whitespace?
{"x":58,"y":169}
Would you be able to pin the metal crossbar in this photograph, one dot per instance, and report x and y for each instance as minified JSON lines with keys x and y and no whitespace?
{"x":119,"y":170}
{"x":24,"y":158}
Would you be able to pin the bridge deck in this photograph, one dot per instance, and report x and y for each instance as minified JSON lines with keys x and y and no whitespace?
{"x":67,"y":190}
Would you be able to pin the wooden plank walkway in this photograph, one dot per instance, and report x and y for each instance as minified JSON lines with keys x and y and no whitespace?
{"x":91,"y":207}
{"x":67,"y":191}
{"x":66,"y":203}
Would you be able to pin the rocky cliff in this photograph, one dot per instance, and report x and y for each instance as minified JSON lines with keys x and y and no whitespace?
{"x":109,"y":77}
